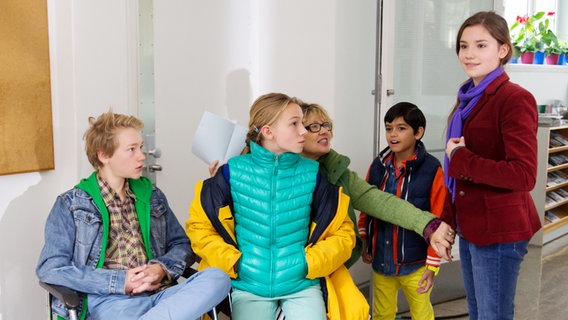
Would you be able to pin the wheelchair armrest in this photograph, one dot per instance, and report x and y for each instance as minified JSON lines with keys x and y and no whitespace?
{"x":68,"y":296}
{"x":189,"y":270}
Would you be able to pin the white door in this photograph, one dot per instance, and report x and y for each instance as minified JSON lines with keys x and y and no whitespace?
{"x":220,"y":55}
{"x":419,"y":65}
{"x":419,"y":62}
{"x":184,"y":42}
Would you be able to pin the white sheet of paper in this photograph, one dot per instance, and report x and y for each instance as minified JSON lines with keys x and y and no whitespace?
{"x":217,"y":138}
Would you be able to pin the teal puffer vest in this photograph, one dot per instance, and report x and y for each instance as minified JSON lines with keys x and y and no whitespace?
{"x":272,"y":197}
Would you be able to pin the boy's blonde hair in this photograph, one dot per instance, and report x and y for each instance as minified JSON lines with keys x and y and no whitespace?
{"x":101,"y":135}
{"x":265,"y":111}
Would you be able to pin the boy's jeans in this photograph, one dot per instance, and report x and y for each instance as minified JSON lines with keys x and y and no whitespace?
{"x":187,"y":300}
{"x":490,"y":276}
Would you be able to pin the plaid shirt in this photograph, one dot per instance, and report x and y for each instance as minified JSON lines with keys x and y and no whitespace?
{"x":125,"y":249}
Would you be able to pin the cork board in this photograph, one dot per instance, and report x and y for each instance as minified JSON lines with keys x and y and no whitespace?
{"x":26,"y":133}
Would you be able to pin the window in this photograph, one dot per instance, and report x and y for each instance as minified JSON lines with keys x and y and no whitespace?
{"x":514,"y":8}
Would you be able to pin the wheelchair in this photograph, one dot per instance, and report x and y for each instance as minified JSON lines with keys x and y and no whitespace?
{"x":72,"y":299}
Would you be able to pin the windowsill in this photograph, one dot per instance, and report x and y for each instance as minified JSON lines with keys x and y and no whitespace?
{"x":536,"y":68}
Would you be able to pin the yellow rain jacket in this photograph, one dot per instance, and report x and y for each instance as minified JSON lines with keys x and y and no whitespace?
{"x":211,"y":230}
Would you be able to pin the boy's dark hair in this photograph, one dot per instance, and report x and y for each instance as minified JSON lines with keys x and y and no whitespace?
{"x":409,"y":112}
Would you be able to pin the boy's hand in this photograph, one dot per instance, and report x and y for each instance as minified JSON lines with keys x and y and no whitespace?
{"x":365,"y":256}
{"x":144,"y":278}
{"x":426,"y":282}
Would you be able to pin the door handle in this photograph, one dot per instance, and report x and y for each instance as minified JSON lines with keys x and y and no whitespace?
{"x":155,"y":152}
{"x":154,"y":167}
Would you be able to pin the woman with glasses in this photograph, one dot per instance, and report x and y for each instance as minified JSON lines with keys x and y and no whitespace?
{"x":365,"y":197}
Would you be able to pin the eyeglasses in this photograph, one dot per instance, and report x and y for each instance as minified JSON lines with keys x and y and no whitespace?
{"x":316,"y":127}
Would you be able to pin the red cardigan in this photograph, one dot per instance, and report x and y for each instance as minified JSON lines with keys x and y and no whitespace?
{"x":497,"y":168}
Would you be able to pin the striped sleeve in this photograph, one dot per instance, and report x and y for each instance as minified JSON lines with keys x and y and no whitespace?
{"x":437,"y":198}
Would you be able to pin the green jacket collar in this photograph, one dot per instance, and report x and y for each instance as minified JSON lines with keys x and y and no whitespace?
{"x":333,"y":165}
{"x":142,"y":189}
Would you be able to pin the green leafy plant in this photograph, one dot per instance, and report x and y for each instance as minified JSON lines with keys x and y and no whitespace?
{"x":562,"y":47}
{"x":531,"y":34}
{"x":554,"y":48}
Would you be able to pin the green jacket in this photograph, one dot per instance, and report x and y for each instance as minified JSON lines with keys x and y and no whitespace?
{"x":367,"y":198}
{"x":142,"y":188}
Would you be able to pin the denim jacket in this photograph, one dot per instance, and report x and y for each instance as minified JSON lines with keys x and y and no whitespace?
{"x":74,"y":238}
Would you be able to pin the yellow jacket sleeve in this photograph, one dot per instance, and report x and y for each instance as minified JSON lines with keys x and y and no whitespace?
{"x":335,"y":244}
{"x":344,"y":300}
{"x":206,"y":241}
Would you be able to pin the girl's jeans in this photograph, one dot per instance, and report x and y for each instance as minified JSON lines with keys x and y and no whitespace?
{"x":490,"y":276}
{"x":305,"y":304}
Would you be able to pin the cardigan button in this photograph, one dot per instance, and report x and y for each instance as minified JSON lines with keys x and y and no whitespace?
{"x":461,"y":193}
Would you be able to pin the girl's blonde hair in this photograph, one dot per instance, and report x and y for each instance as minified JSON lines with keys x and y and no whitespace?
{"x":101,"y":135}
{"x":264,"y":111}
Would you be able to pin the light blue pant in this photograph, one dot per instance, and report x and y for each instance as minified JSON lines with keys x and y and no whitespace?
{"x":187,"y":300}
{"x":490,"y":276}
{"x":306,"y":304}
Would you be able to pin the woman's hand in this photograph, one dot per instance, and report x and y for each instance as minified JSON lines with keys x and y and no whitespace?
{"x":452,"y":144}
{"x":213,"y":167}
{"x":442,"y":240}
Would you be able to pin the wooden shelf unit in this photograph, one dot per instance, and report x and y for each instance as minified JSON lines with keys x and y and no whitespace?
{"x":553,"y":176}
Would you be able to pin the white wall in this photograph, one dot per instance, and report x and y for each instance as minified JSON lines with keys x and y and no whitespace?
{"x":93,"y":67}
{"x":546,"y":83}
{"x":320,"y":51}
{"x":87,"y":76}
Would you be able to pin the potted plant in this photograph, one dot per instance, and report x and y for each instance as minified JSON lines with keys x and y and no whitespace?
{"x":528,"y":49}
{"x":550,"y":40}
{"x":539,"y":53}
{"x":553,"y":51}
{"x":530,"y":34}
{"x":521,"y":33}
{"x":516,"y":54}
{"x":563,"y":57}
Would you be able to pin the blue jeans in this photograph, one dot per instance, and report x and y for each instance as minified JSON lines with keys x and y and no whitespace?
{"x":187,"y":300}
{"x":304,"y":304}
{"x":490,"y":276}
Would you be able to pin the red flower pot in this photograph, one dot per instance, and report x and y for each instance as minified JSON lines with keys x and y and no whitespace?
{"x":527,"y":57}
{"x":552,"y":59}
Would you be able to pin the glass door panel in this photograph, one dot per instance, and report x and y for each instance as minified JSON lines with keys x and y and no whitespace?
{"x":426,"y":71}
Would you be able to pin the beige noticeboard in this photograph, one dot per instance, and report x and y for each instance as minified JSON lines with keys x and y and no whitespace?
{"x":26,"y":134}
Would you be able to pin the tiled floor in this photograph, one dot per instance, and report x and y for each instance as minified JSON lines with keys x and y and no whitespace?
{"x":532,"y":303}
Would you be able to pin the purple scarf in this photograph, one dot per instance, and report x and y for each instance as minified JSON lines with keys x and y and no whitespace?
{"x":468,"y":95}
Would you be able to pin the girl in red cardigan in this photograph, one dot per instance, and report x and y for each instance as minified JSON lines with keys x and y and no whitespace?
{"x":490,"y":168}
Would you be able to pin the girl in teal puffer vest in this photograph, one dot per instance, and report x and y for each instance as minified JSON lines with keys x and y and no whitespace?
{"x":271,"y":222}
